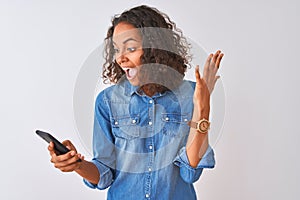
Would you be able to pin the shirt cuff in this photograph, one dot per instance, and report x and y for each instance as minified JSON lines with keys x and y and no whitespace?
{"x":187,"y":172}
{"x":106,"y":176}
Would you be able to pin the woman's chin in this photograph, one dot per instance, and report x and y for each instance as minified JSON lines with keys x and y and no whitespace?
{"x":134,"y":81}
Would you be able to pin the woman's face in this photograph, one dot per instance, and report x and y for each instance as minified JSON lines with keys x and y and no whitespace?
{"x":127,"y":43}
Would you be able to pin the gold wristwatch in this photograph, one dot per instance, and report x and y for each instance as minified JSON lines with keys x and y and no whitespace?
{"x":202,"y":126}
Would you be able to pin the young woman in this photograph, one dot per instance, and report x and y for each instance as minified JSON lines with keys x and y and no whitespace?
{"x":150,"y":138}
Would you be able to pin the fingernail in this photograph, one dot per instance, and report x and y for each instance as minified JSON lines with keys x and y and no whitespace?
{"x":72,"y":153}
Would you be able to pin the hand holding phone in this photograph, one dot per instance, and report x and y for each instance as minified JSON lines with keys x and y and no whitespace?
{"x":60,"y":149}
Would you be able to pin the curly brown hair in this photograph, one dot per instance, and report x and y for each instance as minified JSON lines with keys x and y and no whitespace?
{"x":163,"y":44}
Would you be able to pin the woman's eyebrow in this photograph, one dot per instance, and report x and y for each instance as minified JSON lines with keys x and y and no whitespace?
{"x":127,"y":40}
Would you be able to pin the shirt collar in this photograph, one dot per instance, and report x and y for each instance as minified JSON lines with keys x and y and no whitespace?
{"x":129,"y":89}
{"x":180,"y":91}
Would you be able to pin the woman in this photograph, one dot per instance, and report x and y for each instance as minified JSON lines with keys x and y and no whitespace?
{"x":150,"y":138}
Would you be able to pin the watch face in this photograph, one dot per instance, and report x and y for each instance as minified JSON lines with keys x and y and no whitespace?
{"x":203,"y":126}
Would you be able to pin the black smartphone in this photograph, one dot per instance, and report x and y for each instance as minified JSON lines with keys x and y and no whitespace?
{"x":59,"y":147}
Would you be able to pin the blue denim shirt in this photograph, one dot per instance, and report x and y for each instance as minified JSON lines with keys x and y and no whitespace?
{"x":139,"y":144}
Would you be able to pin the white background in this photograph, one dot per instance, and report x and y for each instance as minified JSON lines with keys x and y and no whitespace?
{"x":43,"y":45}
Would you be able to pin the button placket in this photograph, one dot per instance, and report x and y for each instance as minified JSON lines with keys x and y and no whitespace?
{"x":149,"y":177}
{"x":151,"y":112}
{"x":150,"y":148}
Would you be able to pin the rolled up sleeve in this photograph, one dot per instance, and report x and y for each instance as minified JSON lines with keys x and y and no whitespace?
{"x":187,"y":172}
{"x":106,"y":176}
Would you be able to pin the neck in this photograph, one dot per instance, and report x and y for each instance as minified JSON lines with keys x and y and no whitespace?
{"x":152,"y":89}
{"x":148,"y":89}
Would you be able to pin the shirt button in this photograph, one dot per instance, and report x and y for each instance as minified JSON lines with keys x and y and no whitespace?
{"x":167,"y":118}
{"x":150,"y":147}
{"x":150,"y":123}
{"x":185,"y":120}
{"x":116,"y":123}
{"x":147,"y":195}
{"x":149,"y":169}
{"x":133,"y":121}
{"x":151,"y":101}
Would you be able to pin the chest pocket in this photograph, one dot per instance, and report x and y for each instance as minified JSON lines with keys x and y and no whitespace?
{"x":126,"y":127}
{"x":174,"y":124}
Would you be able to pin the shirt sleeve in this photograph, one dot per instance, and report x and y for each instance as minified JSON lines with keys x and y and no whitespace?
{"x":103,"y":145}
{"x":187,"y":172}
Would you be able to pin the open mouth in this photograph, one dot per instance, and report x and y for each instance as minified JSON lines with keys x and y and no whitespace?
{"x":130,"y":72}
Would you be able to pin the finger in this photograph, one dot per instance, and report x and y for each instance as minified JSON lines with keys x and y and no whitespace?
{"x":208,"y":61}
{"x":206,"y":67}
{"x":197,"y":74}
{"x":70,"y":167}
{"x":214,"y":61}
{"x":216,"y":56}
{"x":66,"y":156}
{"x":51,"y":146}
{"x":199,"y":79}
{"x":52,"y":152}
{"x":69,"y":145}
{"x":217,"y":64}
{"x":82,"y":157}
{"x":67,"y":162}
{"x":51,"y":149}
{"x":219,"y":60}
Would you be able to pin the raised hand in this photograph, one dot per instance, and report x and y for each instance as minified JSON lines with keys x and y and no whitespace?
{"x":206,"y":84}
{"x":211,"y":68}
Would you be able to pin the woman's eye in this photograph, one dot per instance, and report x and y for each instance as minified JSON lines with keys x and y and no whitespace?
{"x":131,"y":49}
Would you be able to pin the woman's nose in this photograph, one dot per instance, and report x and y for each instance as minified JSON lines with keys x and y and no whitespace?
{"x":122,"y":58}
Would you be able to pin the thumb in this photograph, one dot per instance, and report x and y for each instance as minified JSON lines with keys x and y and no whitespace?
{"x":197,"y":74}
{"x":69,"y":145}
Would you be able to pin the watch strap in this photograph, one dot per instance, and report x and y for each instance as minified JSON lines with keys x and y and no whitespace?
{"x":193,"y":124}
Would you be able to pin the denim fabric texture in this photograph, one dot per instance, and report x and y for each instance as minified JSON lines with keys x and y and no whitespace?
{"x":139,"y":144}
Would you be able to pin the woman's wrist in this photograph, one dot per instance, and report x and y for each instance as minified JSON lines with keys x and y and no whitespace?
{"x":80,"y":166}
{"x":201,"y":112}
